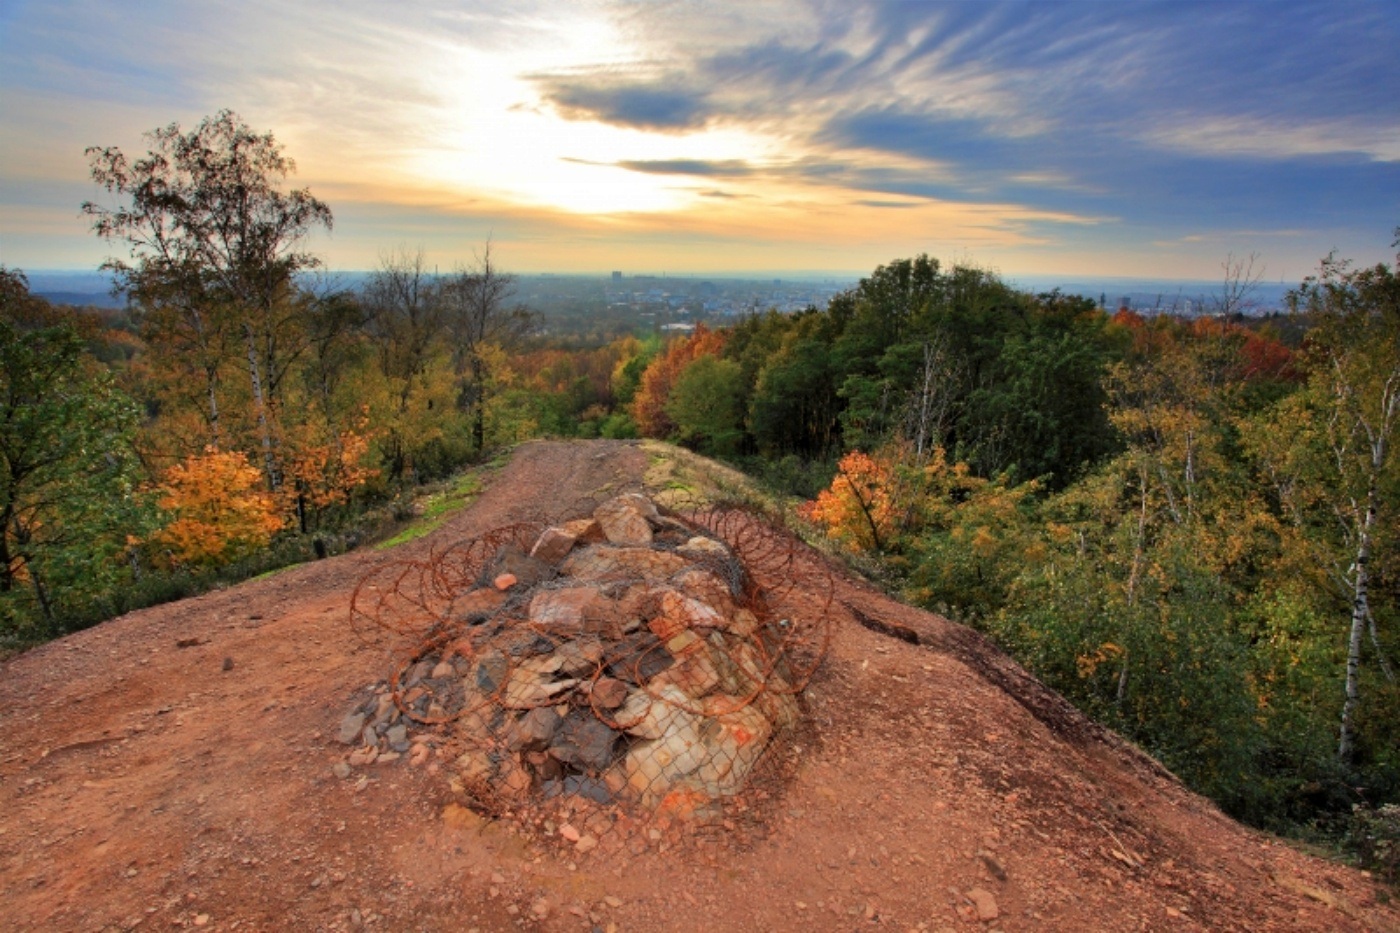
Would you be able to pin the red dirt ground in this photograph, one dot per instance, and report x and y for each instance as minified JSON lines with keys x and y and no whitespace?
{"x":145,"y":785}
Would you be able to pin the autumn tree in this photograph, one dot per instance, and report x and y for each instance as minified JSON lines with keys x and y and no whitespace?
{"x":1333,"y":465}
{"x":654,"y":391}
{"x":214,"y":250}
{"x":479,"y":311}
{"x":219,"y":511}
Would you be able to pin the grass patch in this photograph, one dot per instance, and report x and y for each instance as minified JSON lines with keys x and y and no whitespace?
{"x":436,"y":507}
{"x":276,"y":570}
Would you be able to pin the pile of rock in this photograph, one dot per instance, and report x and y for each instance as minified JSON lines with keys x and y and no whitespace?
{"x":618,"y":659}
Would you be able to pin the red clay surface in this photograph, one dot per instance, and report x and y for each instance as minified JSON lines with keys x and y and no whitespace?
{"x":143,"y":785}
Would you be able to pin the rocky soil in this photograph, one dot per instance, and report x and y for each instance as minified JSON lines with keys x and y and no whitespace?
{"x":183,"y":766}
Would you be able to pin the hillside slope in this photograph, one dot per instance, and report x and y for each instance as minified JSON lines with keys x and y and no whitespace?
{"x":174,"y":768}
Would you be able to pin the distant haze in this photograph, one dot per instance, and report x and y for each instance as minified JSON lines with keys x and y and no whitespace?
{"x":1181,"y":295}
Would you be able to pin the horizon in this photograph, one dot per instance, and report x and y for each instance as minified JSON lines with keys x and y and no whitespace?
{"x":1039,"y":141}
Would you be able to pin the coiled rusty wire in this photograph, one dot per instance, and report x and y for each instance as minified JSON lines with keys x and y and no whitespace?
{"x":478,"y":664}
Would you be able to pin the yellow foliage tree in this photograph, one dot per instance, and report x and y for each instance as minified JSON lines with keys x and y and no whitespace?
{"x":860,"y":507}
{"x":221,"y":513}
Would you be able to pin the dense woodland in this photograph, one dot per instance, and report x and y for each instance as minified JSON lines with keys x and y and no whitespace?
{"x":1187,"y":527}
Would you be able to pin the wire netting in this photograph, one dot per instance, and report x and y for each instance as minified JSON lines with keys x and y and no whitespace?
{"x":623,"y":665}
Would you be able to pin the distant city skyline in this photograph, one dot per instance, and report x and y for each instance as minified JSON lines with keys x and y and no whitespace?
{"x":1089,"y":140}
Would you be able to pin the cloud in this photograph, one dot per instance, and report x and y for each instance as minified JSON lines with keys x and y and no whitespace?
{"x":726,"y":168}
{"x":661,"y":104}
{"x":871,"y":202}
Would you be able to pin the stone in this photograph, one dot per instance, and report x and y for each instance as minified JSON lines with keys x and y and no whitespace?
{"x":694,"y":672}
{"x":602,"y":563}
{"x":569,"y":832}
{"x":528,"y":571}
{"x":442,"y":669}
{"x":626,"y":520}
{"x":580,"y":656}
{"x":984,"y":903}
{"x":526,"y":689}
{"x":513,"y":778}
{"x":702,"y":548}
{"x":584,"y":741}
{"x":478,"y":605}
{"x":575,"y":609}
{"x":693,"y":612}
{"x":397,"y":737}
{"x":350,"y":728}
{"x":710,"y":590}
{"x":474,"y":766}
{"x":651,"y":717}
{"x":584,"y":530}
{"x":654,"y":768}
{"x":733,"y":743}
{"x":505,"y":581}
{"x":541,"y":908}
{"x":608,"y":693}
{"x":553,"y":545}
{"x":638,"y":658}
{"x":362,"y":756}
{"x":586,"y":843}
{"x":341,"y":769}
{"x":492,"y":669}
{"x":741,"y":622}
{"x":534,"y":730}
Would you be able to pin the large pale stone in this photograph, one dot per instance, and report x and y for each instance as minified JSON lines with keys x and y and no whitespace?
{"x":626,"y":520}
{"x":575,"y":609}
{"x":650,"y":717}
{"x":603,"y":563}
{"x":690,"y":611}
{"x":553,"y":545}
{"x":702,"y":548}
{"x":707,"y":587}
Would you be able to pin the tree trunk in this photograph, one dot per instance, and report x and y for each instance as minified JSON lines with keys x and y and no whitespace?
{"x":1360,"y":612}
{"x":270,"y":466}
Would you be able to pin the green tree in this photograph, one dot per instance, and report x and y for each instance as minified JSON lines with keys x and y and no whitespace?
{"x":69,"y":506}
{"x":707,"y":404}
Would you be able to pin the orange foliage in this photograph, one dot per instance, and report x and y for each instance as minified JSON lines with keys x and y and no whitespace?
{"x":329,"y":474}
{"x":859,"y":508}
{"x":221,"y":512}
{"x":649,"y":404}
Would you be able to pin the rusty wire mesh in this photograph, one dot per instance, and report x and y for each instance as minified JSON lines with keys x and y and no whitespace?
{"x":551,"y":669}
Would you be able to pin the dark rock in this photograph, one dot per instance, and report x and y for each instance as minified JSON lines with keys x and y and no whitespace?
{"x":638,"y":658}
{"x":397,"y":737}
{"x":534,"y":730}
{"x":584,"y":742}
{"x":491,"y":671}
{"x":351,"y":727}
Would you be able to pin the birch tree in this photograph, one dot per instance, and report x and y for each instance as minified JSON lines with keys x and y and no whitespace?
{"x":215,"y":246}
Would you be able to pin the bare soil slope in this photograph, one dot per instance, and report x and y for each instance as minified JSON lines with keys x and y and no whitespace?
{"x":145,"y":784}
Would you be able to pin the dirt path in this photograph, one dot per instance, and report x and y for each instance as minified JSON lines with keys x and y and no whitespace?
{"x":144,"y":784}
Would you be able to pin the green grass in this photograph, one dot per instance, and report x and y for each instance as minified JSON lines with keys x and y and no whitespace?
{"x":436,"y":508}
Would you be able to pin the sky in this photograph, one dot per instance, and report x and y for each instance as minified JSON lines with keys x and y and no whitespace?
{"x":1045,"y":138}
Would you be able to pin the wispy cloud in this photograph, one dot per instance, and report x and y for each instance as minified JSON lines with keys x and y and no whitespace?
{"x":1046,"y":132}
